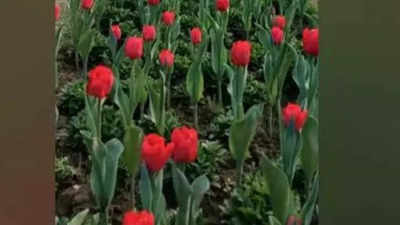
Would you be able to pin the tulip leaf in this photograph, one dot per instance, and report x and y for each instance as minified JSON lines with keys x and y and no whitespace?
{"x":274,"y":221}
{"x":200,"y":186}
{"x":140,"y":86}
{"x":80,"y":218}
{"x":114,"y":149}
{"x":97,"y":174}
{"x":183,"y":189}
{"x":242,"y":133}
{"x":183,"y":193}
{"x":156,"y":101}
{"x":309,"y":153}
{"x":280,"y":190}
{"x":92,"y":115}
{"x":291,"y":145}
{"x":160,"y":211}
{"x":145,"y":187}
{"x":308,"y":209}
{"x":85,"y":43}
{"x":133,"y":143}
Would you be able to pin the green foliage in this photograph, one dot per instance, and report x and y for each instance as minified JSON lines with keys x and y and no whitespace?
{"x":211,"y":155}
{"x":112,"y":127}
{"x":251,"y":205}
{"x":63,"y":168}
{"x":219,"y":126}
{"x":72,"y":98}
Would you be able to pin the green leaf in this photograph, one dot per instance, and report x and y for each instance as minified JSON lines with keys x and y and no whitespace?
{"x":200,"y":186}
{"x":86,"y":43}
{"x":242,"y":133}
{"x":155,"y":101}
{"x":160,"y":212}
{"x":80,"y":218}
{"x":195,"y":82}
{"x":97,"y":174}
{"x":114,"y":149}
{"x":182,"y":188}
{"x":309,"y":206}
{"x":132,"y":142}
{"x":91,"y":115}
{"x":145,"y":187}
{"x":183,"y":193}
{"x":291,"y":145}
{"x":289,"y":15}
{"x":279,"y":188}
{"x":310,"y":150}
{"x":274,"y":221}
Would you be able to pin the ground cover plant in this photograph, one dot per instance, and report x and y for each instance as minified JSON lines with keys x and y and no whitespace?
{"x":187,"y":112}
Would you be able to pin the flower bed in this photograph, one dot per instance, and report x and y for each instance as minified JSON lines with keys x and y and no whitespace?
{"x":187,"y":112}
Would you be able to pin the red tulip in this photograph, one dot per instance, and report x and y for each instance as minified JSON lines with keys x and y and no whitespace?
{"x":116,"y":30}
{"x":155,"y":153}
{"x":166,"y":58}
{"x":185,"y":144}
{"x":100,"y":82}
{"x":168,"y":18}
{"x":293,"y":220}
{"x":149,"y":33}
{"x":240,"y":53}
{"x":195,"y":35}
{"x":310,"y":41}
{"x":222,"y":5}
{"x":279,"y":21}
{"x":134,"y":48}
{"x":138,"y":218}
{"x":153,"y":2}
{"x":87,"y":4}
{"x":293,"y":112}
{"x":57,"y":11}
{"x":277,"y":35}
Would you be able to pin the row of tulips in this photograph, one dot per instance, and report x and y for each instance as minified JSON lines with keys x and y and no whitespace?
{"x":298,"y":122}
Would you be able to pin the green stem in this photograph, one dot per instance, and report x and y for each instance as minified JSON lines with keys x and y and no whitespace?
{"x":85,"y":67}
{"x":142,"y":105}
{"x":271,"y":111}
{"x":99,"y":119}
{"x":220,"y":102}
{"x":196,"y":115}
{"x":162,"y":109}
{"x":133,"y":183}
{"x":239,"y":168}
{"x":168,"y":90}
{"x":77,"y":62}
{"x":103,"y":217}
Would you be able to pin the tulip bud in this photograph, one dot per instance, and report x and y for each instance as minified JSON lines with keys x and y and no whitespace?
{"x":240,"y":53}
{"x":166,"y":58}
{"x":195,"y":35}
{"x":310,"y":41}
{"x":185,"y":144}
{"x":277,"y":35}
{"x":87,"y":4}
{"x":222,"y":5}
{"x":149,"y":33}
{"x":293,"y":112}
{"x":168,"y":18}
{"x":293,"y":220}
{"x":57,"y":11}
{"x":279,"y":21}
{"x":153,"y":2}
{"x":155,"y":153}
{"x":134,"y":48}
{"x":100,"y":82}
{"x":138,"y":218}
{"x":116,"y":30}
